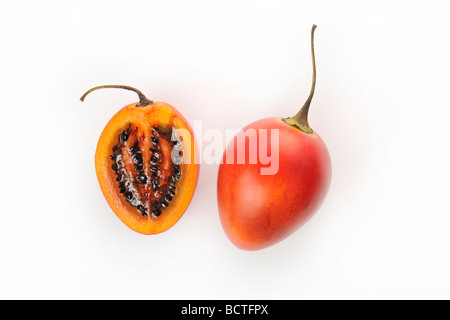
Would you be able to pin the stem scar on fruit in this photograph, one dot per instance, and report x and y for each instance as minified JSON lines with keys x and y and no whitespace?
{"x":146,"y":163}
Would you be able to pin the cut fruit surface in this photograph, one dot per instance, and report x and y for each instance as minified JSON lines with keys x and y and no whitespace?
{"x":146,"y":164}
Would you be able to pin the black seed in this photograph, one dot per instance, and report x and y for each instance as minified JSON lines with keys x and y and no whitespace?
{"x":156,"y":213}
{"x":135,"y":148}
{"x":119,"y":177}
{"x":139,"y":167}
{"x":115,"y":148}
{"x":156,"y":155}
{"x":142,"y":209}
{"x":153,"y":161}
{"x":123,"y":190}
{"x":153,"y":149}
{"x":171,"y":185}
{"x":168,"y":197}
{"x":113,"y":157}
{"x":155,"y":185}
{"x":122,"y":185}
{"x":154,"y":140}
{"x":164,"y":205}
{"x":120,"y":163}
{"x":129,"y":195}
{"x":177,"y":171}
{"x":114,"y":167}
{"x":154,"y":169}
{"x":138,"y":156}
{"x":123,"y":136}
{"x":171,"y":192}
{"x":175,"y":178}
{"x":127,"y":184}
{"x":141,"y":178}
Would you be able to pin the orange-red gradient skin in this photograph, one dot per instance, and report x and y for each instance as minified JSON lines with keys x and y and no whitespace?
{"x":257,"y":211}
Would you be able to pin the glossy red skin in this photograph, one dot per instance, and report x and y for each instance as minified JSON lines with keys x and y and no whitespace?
{"x":257,"y":211}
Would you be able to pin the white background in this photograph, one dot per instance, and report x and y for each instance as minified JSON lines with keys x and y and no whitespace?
{"x":381,"y":106}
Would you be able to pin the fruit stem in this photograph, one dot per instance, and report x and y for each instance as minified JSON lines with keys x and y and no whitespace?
{"x":143,"y":101}
{"x":300,"y":120}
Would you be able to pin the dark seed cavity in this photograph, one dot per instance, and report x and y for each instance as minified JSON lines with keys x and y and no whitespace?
{"x":143,"y":176}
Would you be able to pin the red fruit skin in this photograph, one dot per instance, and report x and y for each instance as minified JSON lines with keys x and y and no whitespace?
{"x":257,"y":211}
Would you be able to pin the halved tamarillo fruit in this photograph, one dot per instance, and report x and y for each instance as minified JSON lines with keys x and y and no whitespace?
{"x":146,"y":164}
